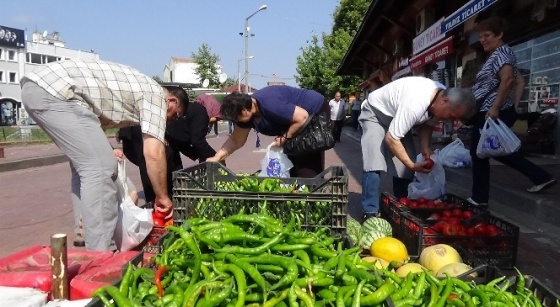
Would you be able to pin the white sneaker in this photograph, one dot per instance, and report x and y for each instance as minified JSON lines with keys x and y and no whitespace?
{"x":474,"y":203}
{"x":542,"y":186}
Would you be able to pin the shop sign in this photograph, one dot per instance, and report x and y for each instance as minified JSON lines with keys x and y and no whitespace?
{"x":465,"y":12}
{"x":11,"y":37}
{"x":427,"y":38}
{"x":436,"y":53}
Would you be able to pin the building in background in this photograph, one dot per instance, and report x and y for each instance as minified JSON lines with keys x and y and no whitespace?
{"x":18,"y":55}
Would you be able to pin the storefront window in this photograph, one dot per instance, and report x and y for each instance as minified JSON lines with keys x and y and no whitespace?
{"x":539,"y":63}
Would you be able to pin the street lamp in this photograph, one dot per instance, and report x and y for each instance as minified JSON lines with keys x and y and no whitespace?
{"x":246,"y":32}
{"x":239,"y":72}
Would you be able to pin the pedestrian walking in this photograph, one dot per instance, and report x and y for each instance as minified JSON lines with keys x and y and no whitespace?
{"x":497,"y":96}
{"x":338,"y":113}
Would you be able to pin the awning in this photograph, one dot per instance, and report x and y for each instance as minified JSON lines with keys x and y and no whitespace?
{"x":400,"y":73}
{"x":434,"y":54}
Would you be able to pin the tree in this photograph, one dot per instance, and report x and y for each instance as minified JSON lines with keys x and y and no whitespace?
{"x":229,"y":82}
{"x":207,"y":67}
{"x":319,"y":61}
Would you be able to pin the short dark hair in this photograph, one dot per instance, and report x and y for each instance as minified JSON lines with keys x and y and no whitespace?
{"x":179,"y":93}
{"x":234,"y":104}
{"x":496,"y":25}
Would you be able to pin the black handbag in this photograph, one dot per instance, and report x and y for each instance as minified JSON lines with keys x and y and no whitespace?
{"x":315,"y":136}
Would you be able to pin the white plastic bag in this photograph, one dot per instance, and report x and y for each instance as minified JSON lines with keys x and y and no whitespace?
{"x":496,"y":139}
{"x":275,"y":163}
{"x":455,"y":155}
{"x":133,"y":224}
{"x":428,"y":185}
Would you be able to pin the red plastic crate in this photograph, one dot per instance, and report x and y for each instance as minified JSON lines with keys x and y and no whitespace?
{"x":110,"y":273}
{"x":31,"y":267}
{"x":499,"y":251}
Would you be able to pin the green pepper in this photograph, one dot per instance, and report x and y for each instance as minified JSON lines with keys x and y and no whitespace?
{"x":304,"y":297}
{"x":119,"y":299}
{"x":250,"y":270}
{"x":277,"y":299}
{"x":379,"y":295}
{"x":358,"y":294}
{"x":240,"y":280}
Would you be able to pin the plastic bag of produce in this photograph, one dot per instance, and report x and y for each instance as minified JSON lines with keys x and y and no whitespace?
{"x":275,"y":163}
{"x":496,"y":139}
{"x":455,"y":155}
{"x":134,"y":224}
{"x":428,"y":185}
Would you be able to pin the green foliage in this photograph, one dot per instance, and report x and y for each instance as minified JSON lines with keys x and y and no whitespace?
{"x":220,"y":97}
{"x":207,"y":67}
{"x":317,"y":65}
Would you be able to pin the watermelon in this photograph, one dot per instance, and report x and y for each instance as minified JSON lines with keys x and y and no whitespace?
{"x":377,"y":224}
{"x":368,"y":238}
{"x":353,"y":229}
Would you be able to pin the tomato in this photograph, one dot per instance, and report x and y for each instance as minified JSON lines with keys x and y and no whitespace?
{"x":467,"y":214}
{"x":405,"y":201}
{"x":454,"y":220}
{"x":451,"y":230}
{"x":158,"y":215}
{"x":492,"y":230}
{"x":169,"y":222}
{"x":428,"y":163}
{"x":413,"y":204}
{"x":434,"y":216}
{"x":480,"y":229}
{"x":457,"y":213}
{"x":431,"y":204}
{"x":446,"y":213}
{"x":430,"y":231}
{"x":159,"y":223}
{"x":470,"y":231}
{"x":421,"y":200}
{"x":439,"y":226}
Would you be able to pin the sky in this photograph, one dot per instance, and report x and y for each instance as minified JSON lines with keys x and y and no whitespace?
{"x":146,"y":34}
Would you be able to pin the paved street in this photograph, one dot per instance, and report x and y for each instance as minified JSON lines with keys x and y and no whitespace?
{"x":36,"y":201}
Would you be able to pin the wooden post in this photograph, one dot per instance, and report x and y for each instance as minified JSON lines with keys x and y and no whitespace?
{"x":59,"y":267}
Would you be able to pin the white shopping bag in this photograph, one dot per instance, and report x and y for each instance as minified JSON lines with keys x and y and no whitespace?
{"x":496,"y":139}
{"x":455,"y":155}
{"x":133,"y":224}
{"x":428,"y":185}
{"x":275,"y":163}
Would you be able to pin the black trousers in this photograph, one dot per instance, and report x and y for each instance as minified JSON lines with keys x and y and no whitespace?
{"x":336,"y":126}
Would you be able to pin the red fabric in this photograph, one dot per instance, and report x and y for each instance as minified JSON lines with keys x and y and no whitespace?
{"x":31,"y":267}
{"x":83,"y":285}
{"x":211,"y":104}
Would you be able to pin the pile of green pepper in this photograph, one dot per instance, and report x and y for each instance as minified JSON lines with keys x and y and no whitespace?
{"x":254,"y":260}
{"x":313,"y":213}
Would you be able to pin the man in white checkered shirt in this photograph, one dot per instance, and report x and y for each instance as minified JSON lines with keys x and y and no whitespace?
{"x":74,"y":101}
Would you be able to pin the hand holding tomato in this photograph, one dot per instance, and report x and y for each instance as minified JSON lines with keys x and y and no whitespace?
{"x":428,"y":163}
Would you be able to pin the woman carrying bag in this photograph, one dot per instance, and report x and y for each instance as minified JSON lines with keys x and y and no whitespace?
{"x":497,"y":91}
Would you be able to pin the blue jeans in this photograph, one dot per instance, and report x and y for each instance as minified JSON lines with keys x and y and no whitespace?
{"x":371,"y":194}
{"x":481,"y":167}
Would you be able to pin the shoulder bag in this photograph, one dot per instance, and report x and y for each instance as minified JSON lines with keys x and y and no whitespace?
{"x":315,"y":136}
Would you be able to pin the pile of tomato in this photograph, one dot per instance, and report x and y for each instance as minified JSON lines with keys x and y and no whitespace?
{"x":456,"y":223}
{"x":423,"y":203}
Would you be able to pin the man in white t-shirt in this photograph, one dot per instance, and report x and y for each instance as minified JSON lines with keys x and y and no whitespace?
{"x":387,"y":119}
{"x":338,"y":112}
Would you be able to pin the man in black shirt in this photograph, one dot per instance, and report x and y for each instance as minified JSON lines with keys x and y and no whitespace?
{"x":186,"y":135}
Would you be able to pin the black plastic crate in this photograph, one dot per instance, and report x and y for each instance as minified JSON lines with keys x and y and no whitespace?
{"x":197,"y":192}
{"x":390,"y":209}
{"x":484,"y":274}
{"x":499,"y":251}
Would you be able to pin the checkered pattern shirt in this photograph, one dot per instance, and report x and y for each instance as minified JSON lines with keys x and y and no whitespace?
{"x":119,"y":95}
